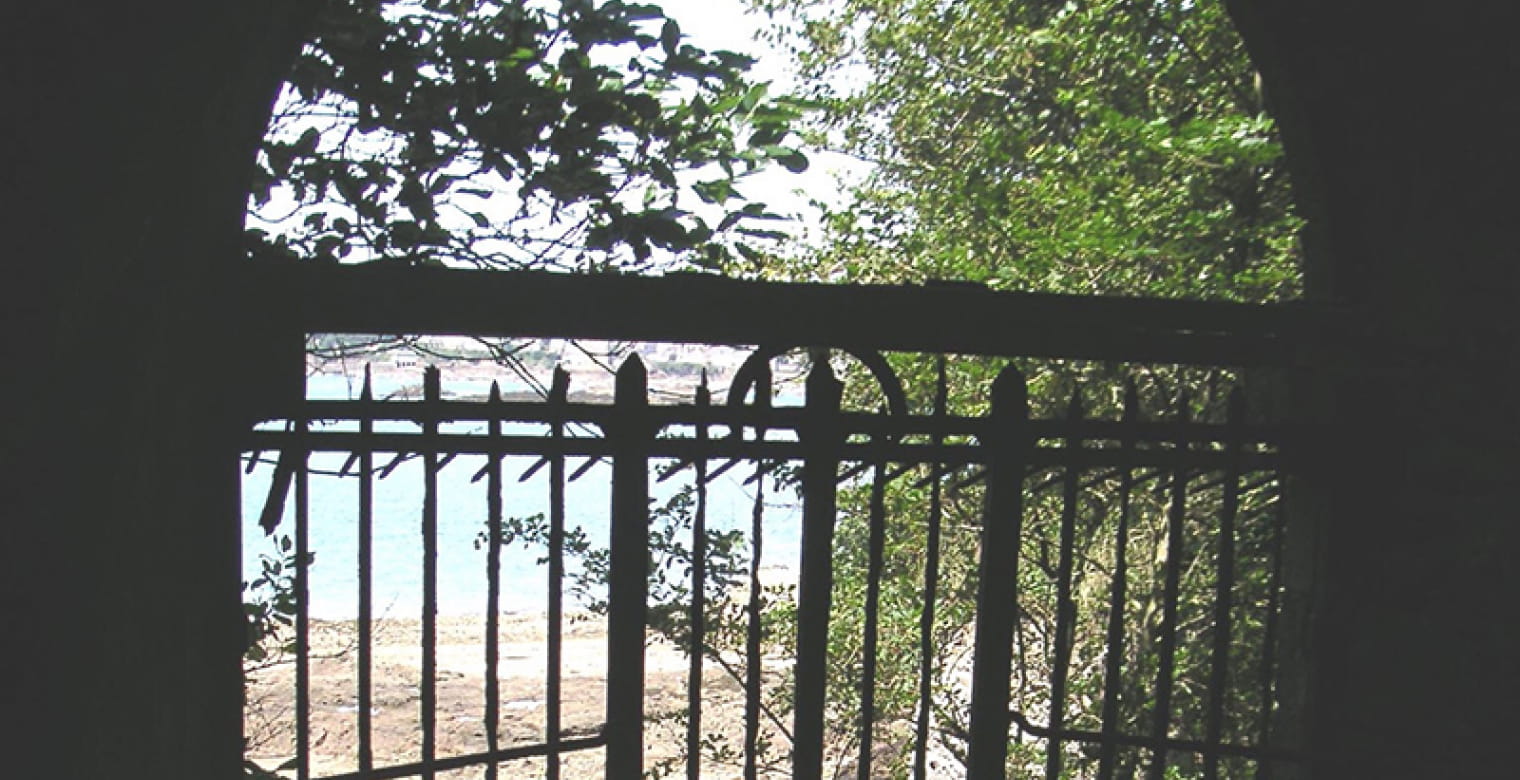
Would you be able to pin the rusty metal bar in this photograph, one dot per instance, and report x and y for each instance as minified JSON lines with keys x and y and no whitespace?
{"x":1065,"y":606}
{"x":931,"y":590}
{"x":472,"y":759}
{"x":821,"y":437}
{"x":627,"y":575}
{"x":753,"y":663}
{"x":559,"y":392}
{"x":875,"y":544}
{"x":1113,"y":661}
{"x":303,"y":605}
{"x":1224,"y":589}
{"x":432,"y":392}
{"x":698,"y":617}
{"x":997,"y":590}
{"x":493,"y":589}
{"x":1267,"y":681}
{"x":366,"y":587}
{"x":1176,"y":514}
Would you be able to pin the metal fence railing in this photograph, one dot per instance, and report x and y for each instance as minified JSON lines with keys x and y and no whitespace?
{"x":1126,"y":572}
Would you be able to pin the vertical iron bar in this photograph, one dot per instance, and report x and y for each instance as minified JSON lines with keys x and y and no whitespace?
{"x":875,"y":545}
{"x":1162,"y":723}
{"x":1269,"y":640}
{"x":559,"y":393}
{"x":431,"y":394}
{"x":698,"y":596}
{"x":627,"y":575}
{"x":820,"y":436}
{"x":931,"y":589}
{"x":303,"y":602}
{"x":1065,"y":607}
{"x":493,"y":578}
{"x":997,"y":590}
{"x":752,"y":663}
{"x":1224,"y":586}
{"x":366,"y":575}
{"x":1114,"y":658}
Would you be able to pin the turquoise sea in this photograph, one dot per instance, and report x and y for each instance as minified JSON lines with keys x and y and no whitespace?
{"x":397,"y":545}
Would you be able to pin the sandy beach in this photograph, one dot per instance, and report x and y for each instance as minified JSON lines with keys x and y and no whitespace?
{"x":396,"y":730}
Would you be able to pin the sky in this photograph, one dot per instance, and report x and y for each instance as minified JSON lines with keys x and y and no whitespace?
{"x":726,"y":24}
{"x":710,"y":25}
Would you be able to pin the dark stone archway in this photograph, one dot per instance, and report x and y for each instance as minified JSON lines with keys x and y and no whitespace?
{"x":1399,"y":127}
{"x":130,"y":135}
{"x":130,"y":131}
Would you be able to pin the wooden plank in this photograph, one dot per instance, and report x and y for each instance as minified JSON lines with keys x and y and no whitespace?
{"x":698,"y":308}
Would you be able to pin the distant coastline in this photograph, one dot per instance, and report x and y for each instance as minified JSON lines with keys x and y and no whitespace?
{"x":674,"y":373}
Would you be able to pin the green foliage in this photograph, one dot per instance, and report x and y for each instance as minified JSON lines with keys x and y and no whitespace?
{"x":1113,"y":147}
{"x":269,"y":612}
{"x":1116,"y":147}
{"x":1107,"y":147}
{"x":512,"y":133}
{"x":725,"y":607}
{"x":269,"y":604}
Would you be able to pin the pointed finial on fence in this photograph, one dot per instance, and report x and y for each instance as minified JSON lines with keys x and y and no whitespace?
{"x":366,"y":393}
{"x":432,"y":383}
{"x":704,"y":395}
{"x":821,"y":384}
{"x":495,"y":392}
{"x":1131,"y":400}
{"x":1074,"y":407}
{"x":1236,"y":410}
{"x":1009,"y":392}
{"x":559,"y":387}
{"x":632,"y":383}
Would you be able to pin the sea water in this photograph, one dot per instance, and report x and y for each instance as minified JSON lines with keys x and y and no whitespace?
{"x":333,"y":535}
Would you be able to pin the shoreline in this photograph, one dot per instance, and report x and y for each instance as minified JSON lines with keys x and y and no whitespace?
{"x":460,"y":694}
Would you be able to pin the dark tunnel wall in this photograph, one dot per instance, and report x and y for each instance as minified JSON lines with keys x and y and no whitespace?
{"x":129,"y":132}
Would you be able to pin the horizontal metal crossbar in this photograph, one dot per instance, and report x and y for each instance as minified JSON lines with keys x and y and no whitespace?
{"x":772,"y":418}
{"x":718,"y":449}
{"x":1252,"y":752}
{"x":473,"y":759}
